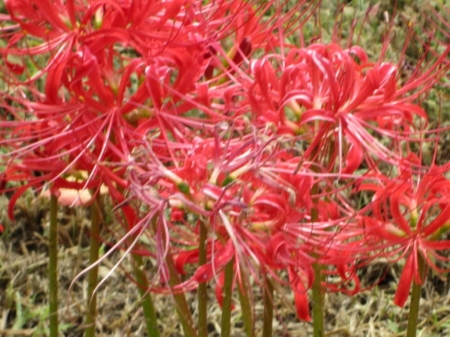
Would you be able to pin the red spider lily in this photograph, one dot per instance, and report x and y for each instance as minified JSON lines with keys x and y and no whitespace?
{"x":240,"y":208}
{"x":90,"y":91}
{"x":75,"y":146}
{"x":90,"y":125}
{"x":59,"y":29}
{"x":322,"y":92}
{"x":257,"y":210}
{"x":410,"y":218}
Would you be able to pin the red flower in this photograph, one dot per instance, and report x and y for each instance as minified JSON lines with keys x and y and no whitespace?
{"x":339,"y":102}
{"x":411,"y":216}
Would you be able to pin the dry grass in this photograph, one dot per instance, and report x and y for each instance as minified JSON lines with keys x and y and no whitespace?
{"x":24,"y":307}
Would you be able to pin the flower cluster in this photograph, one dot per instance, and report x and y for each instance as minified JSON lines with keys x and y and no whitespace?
{"x":200,"y":114}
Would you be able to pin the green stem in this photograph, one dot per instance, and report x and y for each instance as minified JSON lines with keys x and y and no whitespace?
{"x":415,"y":300}
{"x":148,"y":308}
{"x":202,"y":287}
{"x":226,"y":305}
{"x":318,"y":301}
{"x":317,"y":291}
{"x":181,"y":305}
{"x":94,"y":247}
{"x":268,"y":309}
{"x":53,"y":266}
{"x":246,"y":307}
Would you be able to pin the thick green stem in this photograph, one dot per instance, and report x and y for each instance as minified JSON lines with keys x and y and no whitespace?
{"x":317,"y":291}
{"x":202,"y":287}
{"x":415,"y":300}
{"x":181,"y":305}
{"x":53,"y":266}
{"x":268,"y":309}
{"x":148,"y":308}
{"x":94,"y":247}
{"x":227,"y":296}
{"x":246,"y":307}
{"x":318,"y":301}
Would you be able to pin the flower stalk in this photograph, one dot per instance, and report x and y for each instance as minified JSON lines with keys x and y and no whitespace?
{"x":227,"y":300}
{"x":246,"y":306}
{"x":53,"y":266}
{"x":202,"y":287}
{"x":318,"y":301}
{"x":414,"y":305}
{"x":94,"y":247}
{"x":148,"y":307}
{"x":181,"y":305}
{"x":268,"y":308}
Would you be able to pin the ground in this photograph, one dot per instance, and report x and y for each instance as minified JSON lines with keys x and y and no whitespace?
{"x":24,"y":312}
